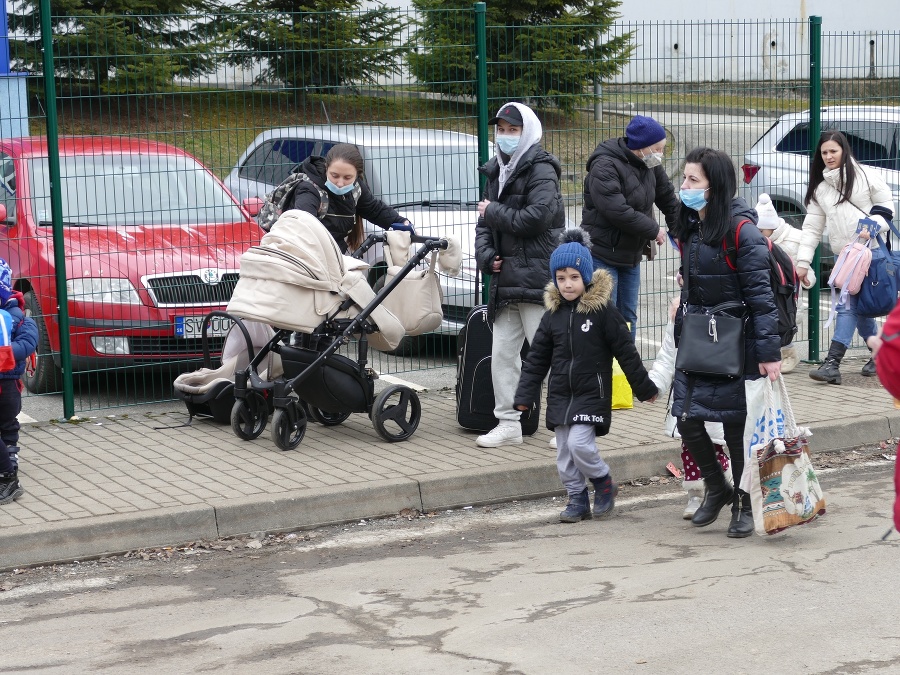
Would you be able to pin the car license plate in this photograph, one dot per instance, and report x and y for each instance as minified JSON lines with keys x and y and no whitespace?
{"x":191,"y":327}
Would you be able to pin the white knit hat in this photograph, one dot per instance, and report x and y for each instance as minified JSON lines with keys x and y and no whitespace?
{"x":768,"y":216}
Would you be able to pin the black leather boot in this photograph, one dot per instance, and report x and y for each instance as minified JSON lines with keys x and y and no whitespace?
{"x":718,"y":493}
{"x":829,"y":370}
{"x":868,"y":370}
{"x":741,"y":516}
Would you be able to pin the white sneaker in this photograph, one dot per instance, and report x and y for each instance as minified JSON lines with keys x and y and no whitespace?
{"x":789,"y":359}
{"x":505,"y":433}
{"x":693,"y":504}
{"x":552,"y":443}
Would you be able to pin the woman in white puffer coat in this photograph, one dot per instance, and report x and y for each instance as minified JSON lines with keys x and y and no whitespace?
{"x":662,"y":373}
{"x":840,"y":192}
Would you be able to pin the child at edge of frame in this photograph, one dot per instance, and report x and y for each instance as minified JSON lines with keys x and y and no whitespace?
{"x":579,"y":334}
{"x":18,"y":340}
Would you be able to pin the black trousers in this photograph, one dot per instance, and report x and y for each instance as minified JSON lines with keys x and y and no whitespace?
{"x":10,"y":407}
{"x":693,"y":433}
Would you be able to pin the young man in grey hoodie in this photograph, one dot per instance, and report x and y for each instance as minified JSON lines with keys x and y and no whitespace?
{"x":521,"y":218}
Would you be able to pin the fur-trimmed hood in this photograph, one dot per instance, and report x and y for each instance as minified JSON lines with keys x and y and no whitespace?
{"x":595,"y":296}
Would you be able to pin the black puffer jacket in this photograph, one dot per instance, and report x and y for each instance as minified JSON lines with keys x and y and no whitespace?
{"x":576,"y":342}
{"x":342,"y":209}
{"x":712,"y":282}
{"x":619,"y":194}
{"x":526,"y":221}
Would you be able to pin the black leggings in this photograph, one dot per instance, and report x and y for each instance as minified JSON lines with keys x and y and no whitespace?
{"x":693,"y":434}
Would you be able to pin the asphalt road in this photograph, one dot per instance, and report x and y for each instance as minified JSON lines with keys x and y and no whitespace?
{"x":501,"y":589}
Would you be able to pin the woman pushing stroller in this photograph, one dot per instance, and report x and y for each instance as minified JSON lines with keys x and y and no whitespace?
{"x":337,"y":194}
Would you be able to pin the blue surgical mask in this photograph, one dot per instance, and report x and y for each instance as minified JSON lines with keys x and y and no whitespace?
{"x":693,"y":199}
{"x":334,"y":189}
{"x":507,"y":143}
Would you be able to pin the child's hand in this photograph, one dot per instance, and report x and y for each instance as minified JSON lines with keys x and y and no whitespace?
{"x":652,"y":399}
{"x":523,"y":408}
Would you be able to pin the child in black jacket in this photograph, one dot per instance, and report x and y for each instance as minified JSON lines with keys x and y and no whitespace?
{"x":578,"y":336}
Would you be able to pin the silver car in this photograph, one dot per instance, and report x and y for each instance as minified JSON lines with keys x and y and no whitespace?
{"x":429,"y":175}
{"x":778,"y":163}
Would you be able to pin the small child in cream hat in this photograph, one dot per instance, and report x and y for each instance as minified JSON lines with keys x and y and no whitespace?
{"x":788,"y":238}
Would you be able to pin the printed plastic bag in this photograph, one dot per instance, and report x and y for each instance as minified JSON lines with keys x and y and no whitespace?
{"x":778,"y":474}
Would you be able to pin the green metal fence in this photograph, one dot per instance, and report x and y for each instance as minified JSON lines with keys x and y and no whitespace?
{"x":135,"y":239}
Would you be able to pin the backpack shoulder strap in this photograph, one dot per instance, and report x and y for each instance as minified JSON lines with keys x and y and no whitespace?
{"x":730,"y":244}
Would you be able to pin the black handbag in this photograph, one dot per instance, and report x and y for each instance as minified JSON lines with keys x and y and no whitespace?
{"x":712,"y":341}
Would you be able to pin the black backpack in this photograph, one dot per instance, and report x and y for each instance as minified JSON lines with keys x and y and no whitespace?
{"x":782,"y":276}
{"x":277,"y":200}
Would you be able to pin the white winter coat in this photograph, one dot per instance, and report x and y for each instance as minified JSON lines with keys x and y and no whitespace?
{"x":788,"y":238}
{"x":663,"y":372}
{"x":869,"y":190}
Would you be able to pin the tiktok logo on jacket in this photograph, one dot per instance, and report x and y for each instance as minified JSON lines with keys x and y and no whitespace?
{"x":586,"y":326}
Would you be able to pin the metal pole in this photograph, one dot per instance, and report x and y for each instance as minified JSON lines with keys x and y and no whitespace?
{"x":481,"y":106}
{"x":59,"y":251}
{"x":815,"y":128}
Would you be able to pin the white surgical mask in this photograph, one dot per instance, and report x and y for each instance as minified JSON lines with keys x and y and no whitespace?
{"x":652,"y":160}
{"x":507,"y":143}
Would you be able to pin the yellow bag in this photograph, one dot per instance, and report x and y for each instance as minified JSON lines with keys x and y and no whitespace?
{"x":622,"y":397}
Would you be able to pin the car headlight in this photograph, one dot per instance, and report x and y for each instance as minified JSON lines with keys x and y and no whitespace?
{"x":103,"y":290}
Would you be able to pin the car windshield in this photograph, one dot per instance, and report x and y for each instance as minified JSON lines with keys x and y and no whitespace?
{"x":413,"y":174}
{"x":132,"y":189}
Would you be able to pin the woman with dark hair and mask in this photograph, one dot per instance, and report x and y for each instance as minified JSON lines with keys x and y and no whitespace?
{"x":709,"y":210}
{"x":338,"y":178}
{"x":625,"y":179}
{"x":840,"y":192}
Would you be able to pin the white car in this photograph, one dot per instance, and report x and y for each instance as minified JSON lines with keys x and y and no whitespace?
{"x":429,"y":175}
{"x":778,"y":163}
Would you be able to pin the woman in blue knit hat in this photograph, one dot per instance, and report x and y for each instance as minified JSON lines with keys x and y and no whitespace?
{"x":578,"y":336}
{"x":625,"y":179}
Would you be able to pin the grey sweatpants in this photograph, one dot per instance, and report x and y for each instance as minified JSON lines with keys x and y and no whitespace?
{"x":577,"y":458}
{"x":513,"y":324}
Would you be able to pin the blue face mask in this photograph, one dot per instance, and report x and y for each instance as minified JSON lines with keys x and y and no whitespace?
{"x":693,"y":199}
{"x":508,"y":144}
{"x":334,"y":189}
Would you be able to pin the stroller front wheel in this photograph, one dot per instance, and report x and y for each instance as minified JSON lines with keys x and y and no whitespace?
{"x":396,"y":413}
{"x":249,"y":416}
{"x":289,"y":426}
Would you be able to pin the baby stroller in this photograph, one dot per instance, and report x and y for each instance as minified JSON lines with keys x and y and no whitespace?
{"x":318,"y":300}
{"x":209,"y":392}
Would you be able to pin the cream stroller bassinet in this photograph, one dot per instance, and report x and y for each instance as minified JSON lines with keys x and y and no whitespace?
{"x":297,"y":281}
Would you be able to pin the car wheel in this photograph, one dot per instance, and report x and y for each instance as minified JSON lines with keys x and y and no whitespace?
{"x":47,"y":376}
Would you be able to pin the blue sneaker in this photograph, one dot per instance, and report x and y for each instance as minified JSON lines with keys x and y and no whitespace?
{"x":578,"y":508}
{"x":604,"y":495}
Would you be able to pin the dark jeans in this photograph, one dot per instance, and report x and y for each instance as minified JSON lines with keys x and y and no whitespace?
{"x":694,"y":436}
{"x":10,"y":407}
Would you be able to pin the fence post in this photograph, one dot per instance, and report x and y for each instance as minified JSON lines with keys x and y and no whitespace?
{"x":815,"y":125}
{"x":59,"y":247}
{"x":481,"y":104}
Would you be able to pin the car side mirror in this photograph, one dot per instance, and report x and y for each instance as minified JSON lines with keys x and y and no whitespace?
{"x":3,"y":213}
{"x":252,"y":205}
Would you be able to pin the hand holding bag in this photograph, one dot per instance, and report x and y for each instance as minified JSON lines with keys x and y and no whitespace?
{"x":878,"y":293}
{"x":778,"y":474}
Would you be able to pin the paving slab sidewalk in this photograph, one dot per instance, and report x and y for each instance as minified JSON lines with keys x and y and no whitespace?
{"x":112,"y":484}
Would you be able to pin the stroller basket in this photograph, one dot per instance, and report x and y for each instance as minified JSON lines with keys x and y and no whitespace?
{"x":335,"y":387}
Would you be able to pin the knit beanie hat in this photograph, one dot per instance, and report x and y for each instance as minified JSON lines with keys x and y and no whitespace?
{"x":642,"y":132}
{"x":5,"y":281}
{"x":573,"y":252}
{"x":768,"y":216}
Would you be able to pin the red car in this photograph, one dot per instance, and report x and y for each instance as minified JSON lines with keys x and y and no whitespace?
{"x":152,"y":243}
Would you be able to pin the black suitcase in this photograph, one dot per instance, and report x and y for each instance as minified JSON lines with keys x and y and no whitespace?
{"x":474,"y":387}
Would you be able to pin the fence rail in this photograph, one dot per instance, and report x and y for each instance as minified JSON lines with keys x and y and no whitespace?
{"x":132,"y":236}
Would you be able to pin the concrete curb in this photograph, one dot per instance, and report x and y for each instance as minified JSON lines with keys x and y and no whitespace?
{"x":102,"y":535}
{"x":94,"y":537}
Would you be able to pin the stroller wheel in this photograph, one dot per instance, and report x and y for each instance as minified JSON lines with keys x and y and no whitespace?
{"x":396,"y":413}
{"x":326,"y":418}
{"x":289,"y":426}
{"x":249,"y":416}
